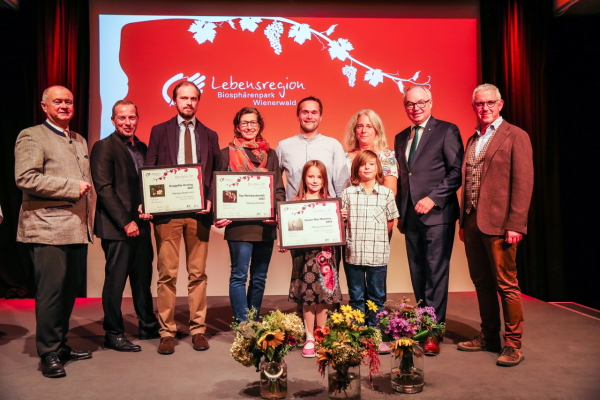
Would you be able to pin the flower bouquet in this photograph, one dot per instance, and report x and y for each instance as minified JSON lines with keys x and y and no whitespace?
{"x":343,"y":344}
{"x":405,"y":325}
{"x":264,"y":345}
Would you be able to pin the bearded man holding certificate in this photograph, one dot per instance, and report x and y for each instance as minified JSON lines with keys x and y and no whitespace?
{"x":183,"y":140}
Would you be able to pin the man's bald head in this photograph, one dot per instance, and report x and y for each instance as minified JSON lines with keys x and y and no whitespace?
{"x":57,"y":103}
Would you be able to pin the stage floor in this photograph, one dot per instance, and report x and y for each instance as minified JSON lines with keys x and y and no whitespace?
{"x":561,"y":347}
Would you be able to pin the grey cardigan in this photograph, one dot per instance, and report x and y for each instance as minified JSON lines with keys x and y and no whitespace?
{"x":48,"y":168}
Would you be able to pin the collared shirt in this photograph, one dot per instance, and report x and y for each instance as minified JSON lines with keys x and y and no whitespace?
{"x":488,"y":134}
{"x":57,"y":129}
{"x":412,"y":128}
{"x":367,"y":240}
{"x":181,"y":151}
{"x":134,"y":151}
{"x":296,"y":151}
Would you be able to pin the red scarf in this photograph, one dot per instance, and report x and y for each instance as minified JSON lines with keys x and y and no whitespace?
{"x":238,"y":159}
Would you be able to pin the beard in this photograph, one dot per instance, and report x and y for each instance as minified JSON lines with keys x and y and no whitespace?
{"x":186,"y":113}
{"x":309,"y":127}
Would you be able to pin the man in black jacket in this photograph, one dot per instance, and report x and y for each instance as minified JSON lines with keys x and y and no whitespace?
{"x":429,"y":155}
{"x":124,"y":230}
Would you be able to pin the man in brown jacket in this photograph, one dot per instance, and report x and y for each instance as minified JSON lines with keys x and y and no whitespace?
{"x":52,"y":169}
{"x":497,"y":181}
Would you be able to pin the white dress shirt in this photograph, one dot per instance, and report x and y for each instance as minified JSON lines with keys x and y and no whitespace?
{"x":485,"y":137}
{"x":418,"y":139}
{"x":181,"y":151}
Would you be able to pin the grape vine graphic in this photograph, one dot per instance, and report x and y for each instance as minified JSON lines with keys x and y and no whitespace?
{"x":205,"y":30}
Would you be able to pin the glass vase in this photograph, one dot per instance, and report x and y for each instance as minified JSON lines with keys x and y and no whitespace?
{"x":408,"y":373}
{"x":273,"y":379}
{"x":344,"y":384}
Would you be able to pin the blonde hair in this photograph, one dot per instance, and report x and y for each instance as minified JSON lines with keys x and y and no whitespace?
{"x":380,"y":142}
{"x":487,"y":86}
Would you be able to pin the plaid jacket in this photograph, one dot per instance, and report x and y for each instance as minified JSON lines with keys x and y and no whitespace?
{"x":473,"y":172}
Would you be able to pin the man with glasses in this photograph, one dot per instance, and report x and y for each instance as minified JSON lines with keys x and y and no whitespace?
{"x":429,"y":154}
{"x":498,"y":183}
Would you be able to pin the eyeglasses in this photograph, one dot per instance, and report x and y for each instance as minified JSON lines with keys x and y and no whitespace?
{"x":420,"y":104}
{"x":253,"y":124}
{"x":489,"y":103}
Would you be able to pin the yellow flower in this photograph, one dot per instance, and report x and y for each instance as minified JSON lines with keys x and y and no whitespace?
{"x":271,"y":339}
{"x":358,"y":314}
{"x":346,"y":309}
{"x":337,"y":318}
{"x":360,"y":319}
{"x":372,"y":306}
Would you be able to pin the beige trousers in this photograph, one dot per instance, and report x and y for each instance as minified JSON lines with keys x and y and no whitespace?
{"x":168,"y":241}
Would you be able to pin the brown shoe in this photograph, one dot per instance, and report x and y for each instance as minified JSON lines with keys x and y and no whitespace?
{"x":510,"y":356}
{"x":199,"y":342}
{"x":166,"y":345}
{"x":479,"y":343}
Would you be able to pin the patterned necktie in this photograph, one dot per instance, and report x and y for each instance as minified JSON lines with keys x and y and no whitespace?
{"x":413,"y":147}
{"x":189,"y":159}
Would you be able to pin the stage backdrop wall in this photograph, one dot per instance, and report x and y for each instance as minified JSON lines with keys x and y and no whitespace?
{"x":270,"y":61}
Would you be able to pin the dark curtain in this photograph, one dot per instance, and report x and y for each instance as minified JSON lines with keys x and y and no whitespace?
{"x":43,"y":43}
{"x":546,"y":68}
{"x":514,"y":50}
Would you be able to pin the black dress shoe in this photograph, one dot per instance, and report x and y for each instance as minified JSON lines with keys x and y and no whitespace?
{"x":149,"y":335}
{"x":67,"y":353}
{"x":51,"y":366}
{"x":120,"y":343}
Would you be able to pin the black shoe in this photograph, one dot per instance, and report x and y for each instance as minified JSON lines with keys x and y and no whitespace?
{"x":51,"y":366}
{"x":69,"y":354}
{"x":148,"y":335}
{"x":120,"y":343}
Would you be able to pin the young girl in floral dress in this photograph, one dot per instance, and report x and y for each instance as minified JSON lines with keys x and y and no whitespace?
{"x":315,"y":277}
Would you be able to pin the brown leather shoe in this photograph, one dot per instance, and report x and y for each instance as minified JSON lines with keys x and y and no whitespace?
{"x":480,"y":343}
{"x":199,"y":342}
{"x":510,"y":356}
{"x":166,"y":345}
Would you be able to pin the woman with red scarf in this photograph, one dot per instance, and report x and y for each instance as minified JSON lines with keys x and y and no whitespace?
{"x":250,"y":243}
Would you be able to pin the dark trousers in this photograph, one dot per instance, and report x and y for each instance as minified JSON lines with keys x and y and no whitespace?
{"x":429,"y":249}
{"x":493,"y":269}
{"x":59,"y":270}
{"x":131,"y":258}
{"x":366,"y":283}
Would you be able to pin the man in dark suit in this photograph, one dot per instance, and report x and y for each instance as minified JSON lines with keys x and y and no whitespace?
{"x":183,"y":140}
{"x":429,"y":155}
{"x":125,"y":234}
{"x":498,"y":182}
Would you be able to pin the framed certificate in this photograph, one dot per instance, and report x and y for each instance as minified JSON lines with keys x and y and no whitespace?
{"x":244,"y":196}
{"x":311,"y":223}
{"x":172,"y":189}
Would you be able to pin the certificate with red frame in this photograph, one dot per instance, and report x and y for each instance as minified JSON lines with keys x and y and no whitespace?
{"x":311,"y":223}
{"x":172,"y":189}
{"x":244,"y":196}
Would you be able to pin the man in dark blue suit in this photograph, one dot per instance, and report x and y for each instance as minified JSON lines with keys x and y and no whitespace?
{"x":178,"y":141}
{"x":429,"y":155}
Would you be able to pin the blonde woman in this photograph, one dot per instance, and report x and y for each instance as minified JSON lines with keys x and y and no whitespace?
{"x":365,"y":131}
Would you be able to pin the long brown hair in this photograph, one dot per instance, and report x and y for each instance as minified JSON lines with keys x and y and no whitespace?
{"x":303,"y":189}
{"x":362,"y":158}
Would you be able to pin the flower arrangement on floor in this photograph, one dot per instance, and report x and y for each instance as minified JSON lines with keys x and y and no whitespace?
{"x":273,"y":338}
{"x":344,"y":343}
{"x":264,"y":345}
{"x":405,"y":325}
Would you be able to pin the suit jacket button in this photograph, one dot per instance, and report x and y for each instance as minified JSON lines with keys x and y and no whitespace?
{"x":410,"y":174}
